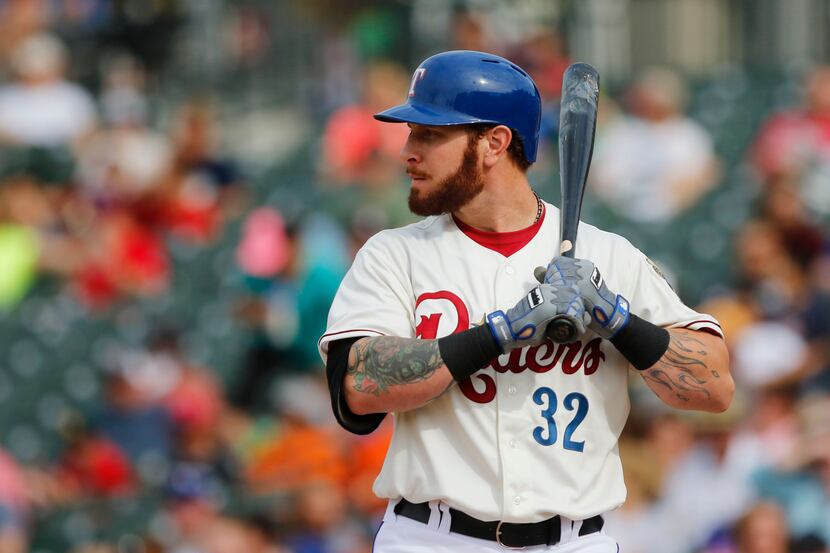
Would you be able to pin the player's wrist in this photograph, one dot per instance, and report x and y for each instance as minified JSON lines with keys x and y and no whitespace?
{"x":641,"y":342}
{"x":500,"y":330}
{"x":467,"y":352}
{"x":611,"y":324}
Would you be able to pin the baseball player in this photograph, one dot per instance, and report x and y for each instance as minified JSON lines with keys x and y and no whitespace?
{"x":502,"y":438}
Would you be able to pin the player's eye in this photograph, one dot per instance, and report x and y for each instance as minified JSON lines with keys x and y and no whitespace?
{"x":427,"y":134}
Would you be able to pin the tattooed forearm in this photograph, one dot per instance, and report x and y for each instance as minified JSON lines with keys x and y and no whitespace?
{"x":689,"y":373}
{"x":375,"y":364}
{"x":679,"y":370}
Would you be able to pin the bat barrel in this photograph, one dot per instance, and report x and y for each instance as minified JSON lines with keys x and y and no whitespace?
{"x":577,"y":123}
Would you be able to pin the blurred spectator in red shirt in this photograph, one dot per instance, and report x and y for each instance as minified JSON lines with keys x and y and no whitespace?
{"x":122,"y":258}
{"x":92,"y":465}
{"x":797,"y":143}
{"x":41,"y":108}
{"x":358,"y":148}
{"x":204,"y":188}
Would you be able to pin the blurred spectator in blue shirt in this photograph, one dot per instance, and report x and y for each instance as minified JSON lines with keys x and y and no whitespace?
{"x":292,"y":271}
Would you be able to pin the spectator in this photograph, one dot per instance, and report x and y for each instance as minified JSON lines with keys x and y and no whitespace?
{"x":41,"y":108}
{"x":543,"y":55}
{"x":366,"y":455}
{"x":131,"y":417}
{"x":655,"y":163}
{"x":323,"y":525}
{"x":193,"y":507}
{"x":769,"y":433}
{"x":468,"y":31}
{"x":358,"y":148}
{"x":33,"y":238}
{"x":291,"y":270}
{"x":93,"y":466}
{"x":304,"y":449}
{"x":796,"y":143}
{"x":204,"y":188}
{"x":783,"y":206}
{"x":636,"y":525}
{"x":801,"y":486}
{"x":19,"y":245}
{"x":709,"y":487}
{"x":121,"y":258}
{"x":14,"y":507}
{"x":762,"y":530}
{"x":126,"y":160}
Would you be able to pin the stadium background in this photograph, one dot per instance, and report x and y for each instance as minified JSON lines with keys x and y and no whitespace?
{"x":168,"y":251}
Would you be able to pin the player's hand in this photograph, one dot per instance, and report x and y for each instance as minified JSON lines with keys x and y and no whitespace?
{"x":609,"y":312}
{"x":525,"y":324}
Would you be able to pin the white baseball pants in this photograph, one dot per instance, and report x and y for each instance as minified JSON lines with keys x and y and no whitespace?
{"x":399,"y":534}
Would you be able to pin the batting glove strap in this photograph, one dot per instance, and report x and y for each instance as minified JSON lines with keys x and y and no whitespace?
{"x":641,"y":342}
{"x":501,"y":331}
{"x":609,"y":325}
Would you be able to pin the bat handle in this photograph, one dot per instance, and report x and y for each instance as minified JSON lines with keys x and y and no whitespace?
{"x":561,"y":330}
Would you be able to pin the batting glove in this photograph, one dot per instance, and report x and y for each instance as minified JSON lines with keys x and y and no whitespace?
{"x":525,"y":324}
{"x":609,"y":313}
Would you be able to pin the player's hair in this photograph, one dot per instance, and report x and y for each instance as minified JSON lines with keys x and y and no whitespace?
{"x":515,"y":150}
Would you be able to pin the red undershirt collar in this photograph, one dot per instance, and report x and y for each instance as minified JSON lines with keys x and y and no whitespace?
{"x":505,"y":243}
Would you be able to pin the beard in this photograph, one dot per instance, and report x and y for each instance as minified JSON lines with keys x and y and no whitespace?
{"x":455,"y":191}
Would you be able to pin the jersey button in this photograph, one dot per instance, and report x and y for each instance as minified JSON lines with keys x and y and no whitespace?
{"x":509,"y":270}
{"x":517,"y":500}
{"x":512,"y":444}
{"x":511,"y":389}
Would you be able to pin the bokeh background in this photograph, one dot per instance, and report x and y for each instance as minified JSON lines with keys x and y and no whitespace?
{"x":183,"y":184}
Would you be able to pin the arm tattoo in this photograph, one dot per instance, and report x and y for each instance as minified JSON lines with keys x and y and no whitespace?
{"x":378,"y":363}
{"x":681,"y":369}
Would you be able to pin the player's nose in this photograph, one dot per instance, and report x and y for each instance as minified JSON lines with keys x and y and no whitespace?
{"x":408,"y":153}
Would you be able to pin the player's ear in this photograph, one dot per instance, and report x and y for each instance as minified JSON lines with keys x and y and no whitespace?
{"x":498,"y":139}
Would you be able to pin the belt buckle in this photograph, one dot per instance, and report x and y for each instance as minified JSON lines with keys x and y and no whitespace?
{"x":498,"y":538}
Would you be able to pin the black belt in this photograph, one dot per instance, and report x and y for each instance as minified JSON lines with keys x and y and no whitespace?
{"x":507,"y":534}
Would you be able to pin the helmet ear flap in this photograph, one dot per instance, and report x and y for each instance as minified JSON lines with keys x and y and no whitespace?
{"x":463,"y":87}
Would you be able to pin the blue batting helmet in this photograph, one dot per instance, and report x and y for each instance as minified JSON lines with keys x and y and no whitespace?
{"x":462,"y":87}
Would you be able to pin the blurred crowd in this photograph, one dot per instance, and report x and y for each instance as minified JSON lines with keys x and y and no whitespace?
{"x":97,"y":194}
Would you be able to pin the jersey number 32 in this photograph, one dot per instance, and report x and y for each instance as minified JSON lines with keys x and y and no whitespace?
{"x":574,"y":401}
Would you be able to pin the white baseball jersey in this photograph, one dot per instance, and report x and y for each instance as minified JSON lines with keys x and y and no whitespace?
{"x":535,"y":433}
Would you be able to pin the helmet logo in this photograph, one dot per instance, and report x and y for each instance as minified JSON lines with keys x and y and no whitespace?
{"x":417,"y":76}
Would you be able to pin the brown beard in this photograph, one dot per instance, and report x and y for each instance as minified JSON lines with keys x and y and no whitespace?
{"x":455,"y":191}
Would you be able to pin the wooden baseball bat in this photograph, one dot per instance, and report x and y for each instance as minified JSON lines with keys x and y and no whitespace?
{"x":577,"y":125}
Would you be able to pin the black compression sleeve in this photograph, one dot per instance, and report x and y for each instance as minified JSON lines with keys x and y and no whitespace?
{"x":337,"y":363}
{"x":641,"y":342}
{"x":467,"y":352}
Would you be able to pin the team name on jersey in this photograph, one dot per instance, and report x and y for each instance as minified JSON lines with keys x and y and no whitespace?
{"x":587,"y":356}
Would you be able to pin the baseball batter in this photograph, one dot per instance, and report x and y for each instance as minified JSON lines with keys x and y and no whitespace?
{"x":502,"y":438}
